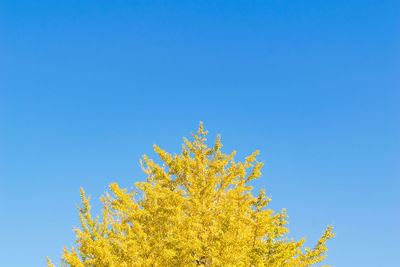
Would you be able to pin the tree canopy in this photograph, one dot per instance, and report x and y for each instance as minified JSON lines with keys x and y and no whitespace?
{"x":197,"y":208}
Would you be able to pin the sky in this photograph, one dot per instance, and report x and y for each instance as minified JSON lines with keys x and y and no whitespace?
{"x":87,"y":88}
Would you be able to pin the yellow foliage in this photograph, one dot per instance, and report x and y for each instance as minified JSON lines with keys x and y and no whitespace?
{"x":196,"y":209}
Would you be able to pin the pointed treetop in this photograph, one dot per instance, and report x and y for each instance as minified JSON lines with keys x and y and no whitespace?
{"x":199,"y":139}
{"x":201,"y":130}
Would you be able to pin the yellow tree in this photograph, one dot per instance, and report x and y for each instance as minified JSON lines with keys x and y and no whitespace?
{"x":195,"y":209}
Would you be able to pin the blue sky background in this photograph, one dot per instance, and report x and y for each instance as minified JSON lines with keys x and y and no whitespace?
{"x":86,"y":88}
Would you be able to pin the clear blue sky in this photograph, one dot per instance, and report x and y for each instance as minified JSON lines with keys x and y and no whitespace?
{"x":87,"y":87}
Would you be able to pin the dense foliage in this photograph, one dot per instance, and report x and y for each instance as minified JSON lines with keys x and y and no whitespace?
{"x":196,"y":209}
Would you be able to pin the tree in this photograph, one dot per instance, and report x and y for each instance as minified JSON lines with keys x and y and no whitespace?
{"x":196,"y":209}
